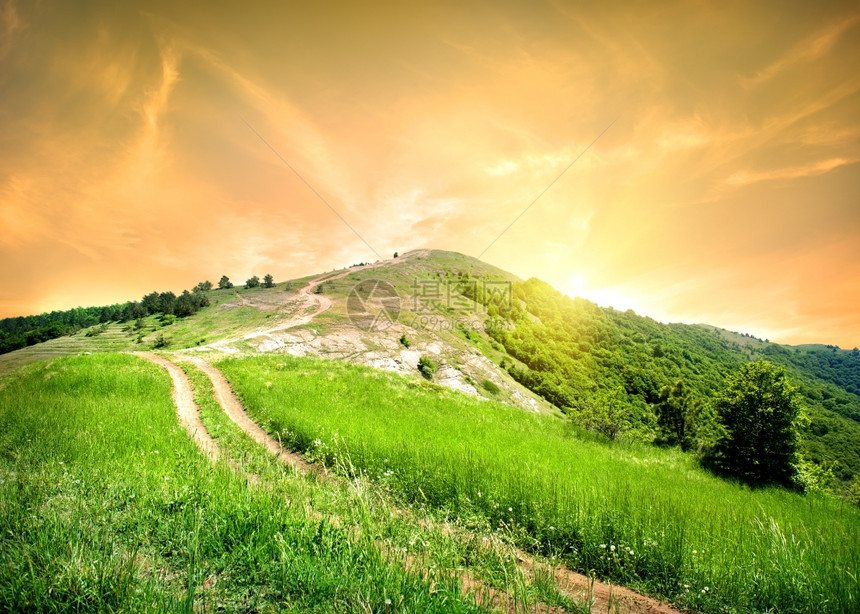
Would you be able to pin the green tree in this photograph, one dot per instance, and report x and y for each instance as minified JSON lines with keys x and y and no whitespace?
{"x":396,"y":255}
{"x":269,"y":281}
{"x":677,"y":416}
{"x":253,"y":282}
{"x":224,"y":283}
{"x":758,"y":413}
{"x":427,"y":367}
{"x":203,"y":286}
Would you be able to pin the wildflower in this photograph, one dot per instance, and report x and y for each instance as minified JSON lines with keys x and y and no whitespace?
{"x":695,"y":552}
{"x":603,"y":546}
{"x":632,"y":553}
{"x":155,"y":451}
{"x":388,"y":602}
{"x":510,"y":509}
{"x":612,"y":547}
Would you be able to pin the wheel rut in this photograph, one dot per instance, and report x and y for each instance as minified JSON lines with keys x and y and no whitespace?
{"x":186,"y":408}
{"x":236,"y":412}
{"x":603,"y":597}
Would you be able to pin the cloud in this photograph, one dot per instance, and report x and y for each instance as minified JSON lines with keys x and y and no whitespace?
{"x":9,"y":23}
{"x":808,"y":50}
{"x":795,"y":172}
{"x":502,"y":168}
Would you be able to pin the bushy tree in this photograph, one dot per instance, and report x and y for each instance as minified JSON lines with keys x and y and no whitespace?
{"x":677,"y":416}
{"x":224,"y":283}
{"x":604,"y":414}
{"x":758,"y":413}
{"x":253,"y":282}
{"x":269,"y":281}
{"x":427,"y":367}
{"x":204,"y":286}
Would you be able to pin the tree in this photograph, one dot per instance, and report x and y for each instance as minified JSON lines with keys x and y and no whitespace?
{"x":253,"y":282}
{"x":427,"y":367}
{"x":758,"y":414}
{"x":224,"y":283}
{"x":396,"y":255}
{"x":677,"y":416}
{"x":204,"y":286}
{"x":269,"y":281}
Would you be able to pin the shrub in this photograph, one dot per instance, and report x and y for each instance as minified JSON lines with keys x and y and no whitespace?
{"x":404,"y":341}
{"x":427,"y":367}
{"x":490,"y":387}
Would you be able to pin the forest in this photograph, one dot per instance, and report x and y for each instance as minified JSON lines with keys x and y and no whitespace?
{"x":607,"y":370}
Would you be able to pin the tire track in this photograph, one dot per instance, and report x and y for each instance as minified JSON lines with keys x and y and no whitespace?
{"x":604,"y":597}
{"x":186,"y":408}
{"x":236,"y":412}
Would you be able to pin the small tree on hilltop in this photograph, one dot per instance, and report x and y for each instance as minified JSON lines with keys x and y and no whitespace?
{"x":758,"y":414}
{"x":253,"y":282}
{"x":396,"y":255}
{"x":224,"y":283}
{"x":203,"y":286}
{"x":269,"y":281}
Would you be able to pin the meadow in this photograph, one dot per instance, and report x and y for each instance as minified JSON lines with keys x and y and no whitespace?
{"x":645,"y":517}
{"x":106,"y":505}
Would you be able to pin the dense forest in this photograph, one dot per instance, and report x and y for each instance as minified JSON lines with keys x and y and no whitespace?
{"x":607,"y":370}
{"x":19,"y":332}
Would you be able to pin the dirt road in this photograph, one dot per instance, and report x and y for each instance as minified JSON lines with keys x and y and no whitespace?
{"x":234,"y":410}
{"x":186,"y":408}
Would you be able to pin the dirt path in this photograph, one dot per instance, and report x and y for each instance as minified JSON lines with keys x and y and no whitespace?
{"x":605,"y":597}
{"x":186,"y":408}
{"x":312,"y":305}
{"x":234,"y":410}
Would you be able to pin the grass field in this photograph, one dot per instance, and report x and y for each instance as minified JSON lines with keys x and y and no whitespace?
{"x":642,"y":516}
{"x":106,"y":505}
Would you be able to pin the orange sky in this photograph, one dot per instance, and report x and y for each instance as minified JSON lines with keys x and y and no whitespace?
{"x":726,"y":192}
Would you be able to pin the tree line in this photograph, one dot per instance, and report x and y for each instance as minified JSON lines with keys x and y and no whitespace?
{"x":624,"y":375}
{"x":22,"y":331}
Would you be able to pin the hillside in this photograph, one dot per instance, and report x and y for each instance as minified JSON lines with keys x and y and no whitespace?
{"x":542,"y":351}
{"x":504,"y":462}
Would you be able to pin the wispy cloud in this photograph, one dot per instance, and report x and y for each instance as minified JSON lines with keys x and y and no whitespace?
{"x":794,"y":172}
{"x":808,"y":50}
{"x":9,"y":23}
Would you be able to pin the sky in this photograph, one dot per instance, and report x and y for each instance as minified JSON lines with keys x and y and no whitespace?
{"x":145,"y":146}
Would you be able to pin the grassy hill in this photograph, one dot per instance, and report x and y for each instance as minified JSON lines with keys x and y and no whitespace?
{"x":570,"y":353}
{"x":445,"y":484}
{"x":638,"y":515}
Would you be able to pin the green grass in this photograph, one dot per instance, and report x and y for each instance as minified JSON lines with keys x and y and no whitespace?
{"x":402,"y":533}
{"x":638,"y":515}
{"x":106,"y":505}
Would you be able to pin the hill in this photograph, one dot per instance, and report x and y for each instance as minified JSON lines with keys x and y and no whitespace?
{"x":506,"y":461}
{"x":491,"y":335}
